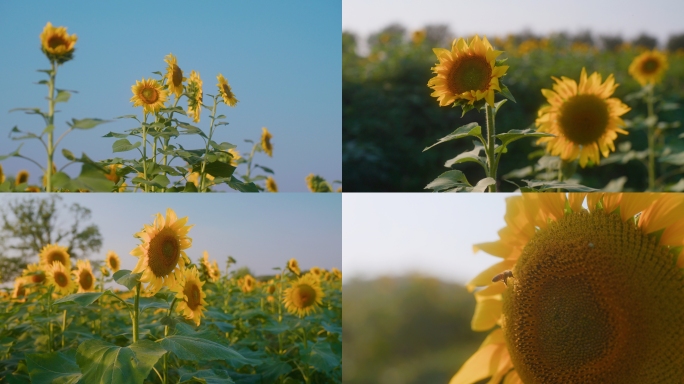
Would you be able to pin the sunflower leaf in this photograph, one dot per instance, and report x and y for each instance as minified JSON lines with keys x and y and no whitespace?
{"x":470,"y":129}
{"x":86,"y":123}
{"x":470,"y":156}
{"x":482,"y":185}
{"x":127,"y":279}
{"x":82,"y":299}
{"x":62,"y":96}
{"x":68,"y":154}
{"x":517,"y":134}
{"x":123,"y":145}
{"x":506,"y":93}
{"x":541,"y":186}
{"x":200,"y":349}
{"x":216,"y":169}
{"x":102,"y":362}
{"x":242,"y":187}
{"x":58,"y":367}
{"x":449,"y":180}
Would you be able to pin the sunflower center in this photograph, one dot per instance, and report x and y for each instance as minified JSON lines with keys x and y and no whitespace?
{"x":192,"y":291}
{"x":85,"y":278}
{"x":591,"y":302}
{"x":303,"y":296}
{"x":584,"y":118}
{"x":38,"y":278}
{"x":177,"y":76}
{"x":650,"y":66}
{"x":56,"y":256}
{"x":226,"y":90}
{"x":61,"y":279}
{"x":164,"y":252}
{"x":56,"y":41}
{"x":150,"y":95}
{"x":470,"y":73}
{"x":114,"y":263}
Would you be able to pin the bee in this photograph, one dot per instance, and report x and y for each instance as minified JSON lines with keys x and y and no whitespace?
{"x":505,"y":275}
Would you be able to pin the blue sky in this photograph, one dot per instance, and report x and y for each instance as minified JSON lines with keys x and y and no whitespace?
{"x":282,"y":60}
{"x":659,"y":18}
{"x":260,"y":231}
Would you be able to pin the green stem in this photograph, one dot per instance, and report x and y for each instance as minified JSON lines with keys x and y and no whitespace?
{"x":51,"y":120}
{"x":144,"y":139}
{"x":490,"y":150}
{"x":50,"y":335}
{"x":206,"y":148}
{"x":63,"y":327}
{"x":136,"y":312}
{"x":651,"y":141}
{"x":166,"y":333}
{"x":249,"y":162}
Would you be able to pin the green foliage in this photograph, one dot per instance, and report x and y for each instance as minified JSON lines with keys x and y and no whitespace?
{"x":389,"y":116}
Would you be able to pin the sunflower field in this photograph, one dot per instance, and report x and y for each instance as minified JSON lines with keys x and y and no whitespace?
{"x":571,"y":112}
{"x":169,"y":320}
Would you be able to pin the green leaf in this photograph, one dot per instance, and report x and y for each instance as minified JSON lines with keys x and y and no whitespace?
{"x":119,"y":135}
{"x":102,"y":362}
{"x":127,"y":117}
{"x":449,"y":180}
{"x":91,"y":178}
{"x":216,"y":169}
{"x":68,"y":155}
{"x":482,"y":185}
{"x":242,"y":187}
{"x":86,"y":123}
{"x":267,"y":170}
{"x":470,"y":156}
{"x":190,"y":187}
{"x":62,"y":96}
{"x":127,"y":279}
{"x":537,"y":185}
{"x":31,"y":111}
{"x":61,"y":180}
{"x":471,"y":129}
{"x":55,"y":367}
{"x":149,"y":302}
{"x":191,"y":130}
{"x":15,"y":153}
{"x":123,"y":145}
{"x":505,"y":92}
{"x":82,"y":299}
{"x":517,"y":134}
{"x":323,"y":358}
{"x":195,"y":346}
{"x":206,"y":376}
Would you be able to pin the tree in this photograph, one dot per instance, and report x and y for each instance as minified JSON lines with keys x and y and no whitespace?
{"x":30,"y":224}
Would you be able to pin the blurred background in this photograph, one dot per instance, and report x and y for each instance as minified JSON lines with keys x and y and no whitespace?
{"x":389,"y":115}
{"x":406,"y":259}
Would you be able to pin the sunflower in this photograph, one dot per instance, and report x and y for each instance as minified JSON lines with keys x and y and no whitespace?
{"x":303,"y":296}
{"x":34,"y":274}
{"x":174,"y":75}
{"x":235,"y":156}
{"x":58,"y":276}
{"x":2,"y":175}
{"x":113,"y":262}
{"x":84,"y":276}
{"x":266,"y":141}
{"x":649,"y":67}
{"x":111,"y":174}
{"x":226,"y":92}
{"x":194,"y":177}
{"x":337,"y":273}
{"x":466,"y":74}
{"x":210,"y":270}
{"x":56,"y":44}
{"x":316,"y":272}
{"x":19,"y":291}
{"x":53,"y":252}
{"x":248,"y":284}
{"x":148,"y":94}
{"x":194,"y":96}
{"x":22,"y":177}
{"x":293,"y":266}
{"x":593,"y":295}
{"x":316,"y":183}
{"x":189,"y":290}
{"x":271,"y":185}
{"x":215,"y":273}
{"x":162,"y":250}
{"x":584,"y":118}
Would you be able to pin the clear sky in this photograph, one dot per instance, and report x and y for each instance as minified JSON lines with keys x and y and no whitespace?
{"x":431,"y":234}
{"x":660,"y":18}
{"x":260,"y":231}
{"x":281,"y":58}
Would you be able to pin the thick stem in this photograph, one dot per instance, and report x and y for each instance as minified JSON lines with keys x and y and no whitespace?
{"x":651,"y":141}
{"x":206,"y":148}
{"x":51,"y":120}
{"x":490,"y":150}
{"x":136,"y":312}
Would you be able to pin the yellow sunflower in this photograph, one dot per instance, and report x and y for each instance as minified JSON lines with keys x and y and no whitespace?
{"x":266,"y":141}
{"x":226,"y":92}
{"x":215,"y":273}
{"x":210,"y":270}
{"x":235,"y":156}
{"x":111,"y":175}
{"x":113,"y":262}
{"x":649,"y":67}
{"x":293,"y":266}
{"x":59,"y":277}
{"x":303,"y":296}
{"x":271,"y":185}
{"x":316,"y":272}
{"x":194,"y":96}
{"x":22,"y":177}
{"x":56,"y":44}
{"x":84,"y":276}
{"x":162,"y":250}
{"x":194,"y":177}
{"x":34,"y":274}
{"x":53,"y":252}
{"x":591,"y":295}
{"x":149,"y":95}
{"x":19,"y":291}
{"x":2,"y":175}
{"x":174,"y":75}
{"x":189,"y":290}
{"x":337,"y":273}
{"x":466,"y":73}
{"x":584,"y":118}
{"x":248,"y":284}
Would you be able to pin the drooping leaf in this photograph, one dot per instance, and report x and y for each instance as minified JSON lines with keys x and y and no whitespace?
{"x":449,"y":180}
{"x":127,"y":279}
{"x":470,"y":129}
{"x":102,"y":362}
{"x":86,"y":123}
